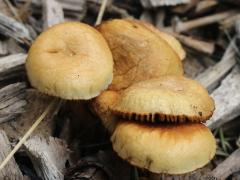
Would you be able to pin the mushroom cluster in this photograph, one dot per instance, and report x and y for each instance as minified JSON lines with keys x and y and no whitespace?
{"x":154,"y":114}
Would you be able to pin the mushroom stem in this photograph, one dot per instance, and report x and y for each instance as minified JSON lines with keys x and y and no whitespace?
{"x":52,"y":105}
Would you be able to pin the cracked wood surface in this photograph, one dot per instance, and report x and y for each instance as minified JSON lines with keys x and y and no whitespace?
{"x":227,"y":100}
{"x":11,"y":171}
{"x":12,"y":101}
{"x":48,"y":155}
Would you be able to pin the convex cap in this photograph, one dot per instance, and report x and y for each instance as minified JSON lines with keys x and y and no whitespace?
{"x":70,"y":60}
{"x":139,"y":53}
{"x":171,"y":40}
{"x":169,"y":148}
{"x":168,"y":98}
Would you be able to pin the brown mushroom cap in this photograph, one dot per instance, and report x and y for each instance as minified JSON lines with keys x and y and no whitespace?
{"x":172,"y":41}
{"x":70,"y":60}
{"x":168,"y":98}
{"x":169,"y":148}
{"x":101,"y":106}
{"x":138,"y":53}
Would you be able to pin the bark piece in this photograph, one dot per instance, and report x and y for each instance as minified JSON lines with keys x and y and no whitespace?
{"x":48,"y":156}
{"x":11,"y":171}
{"x":12,"y":101}
{"x":228,"y":166}
{"x":227,"y":100}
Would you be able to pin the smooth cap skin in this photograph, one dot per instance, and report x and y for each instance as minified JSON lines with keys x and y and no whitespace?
{"x":172,"y":41}
{"x":101,"y":106}
{"x":171,"y":149}
{"x":138,"y":53}
{"x":70,"y":60}
{"x":168,"y":98}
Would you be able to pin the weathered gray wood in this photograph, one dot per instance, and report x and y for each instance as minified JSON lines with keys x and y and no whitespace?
{"x":53,"y":13}
{"x":11,"y":171}
{"x":48,"y":156}
{"x":12,"y":101}
{"x":36,"y":104}
{"x":211,"y":77}
{"x":228,"y":166}
{"x":73,"y":9}
{"x":156,"y":3}
{"x":12,"y":61}
{"x":13,"y":47}
{"x":3,"y":48}
{"x":227,"y":100}
{"x":13,"y":75}
{"x":12,"y":28}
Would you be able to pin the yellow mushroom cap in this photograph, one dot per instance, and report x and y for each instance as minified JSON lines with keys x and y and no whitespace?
{"x":101,"y":106}
{"x":70,"y":60}
{"x":138,"y":53}
{"x":172,"y":41}
{"x":168,"y":98}
{"x":169,"y":148}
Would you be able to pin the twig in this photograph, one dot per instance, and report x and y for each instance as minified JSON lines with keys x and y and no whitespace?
{"x":101,"y":12}
{"x":13,"y":10}
{"x":201,"y":46}
{"x":29,"y":132}
{"x":185,"y":26}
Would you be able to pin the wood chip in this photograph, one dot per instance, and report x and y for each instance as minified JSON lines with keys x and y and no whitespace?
{"x":12,"y":101}
{"x":227,"y":100}
{"x":211,"y":77}
{"x":48,"y":156}
{"x":3,"y":48}
{"x":36,"y":104}
{"x":12,"y":28}
{"x":157,"y":3}
{"x":11,"y":171}
{"x":12,"y":61}
{"x":53,"y":13}
{"x":228,"y":166}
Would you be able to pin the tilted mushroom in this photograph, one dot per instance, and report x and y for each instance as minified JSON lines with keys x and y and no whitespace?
{"x":164,"y":148}
{"x":70,"y":60}
{"x":171,"y":40}
{"x":139,"y":53}
{"x":172,"y":140}
{"x":168,"y":99}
